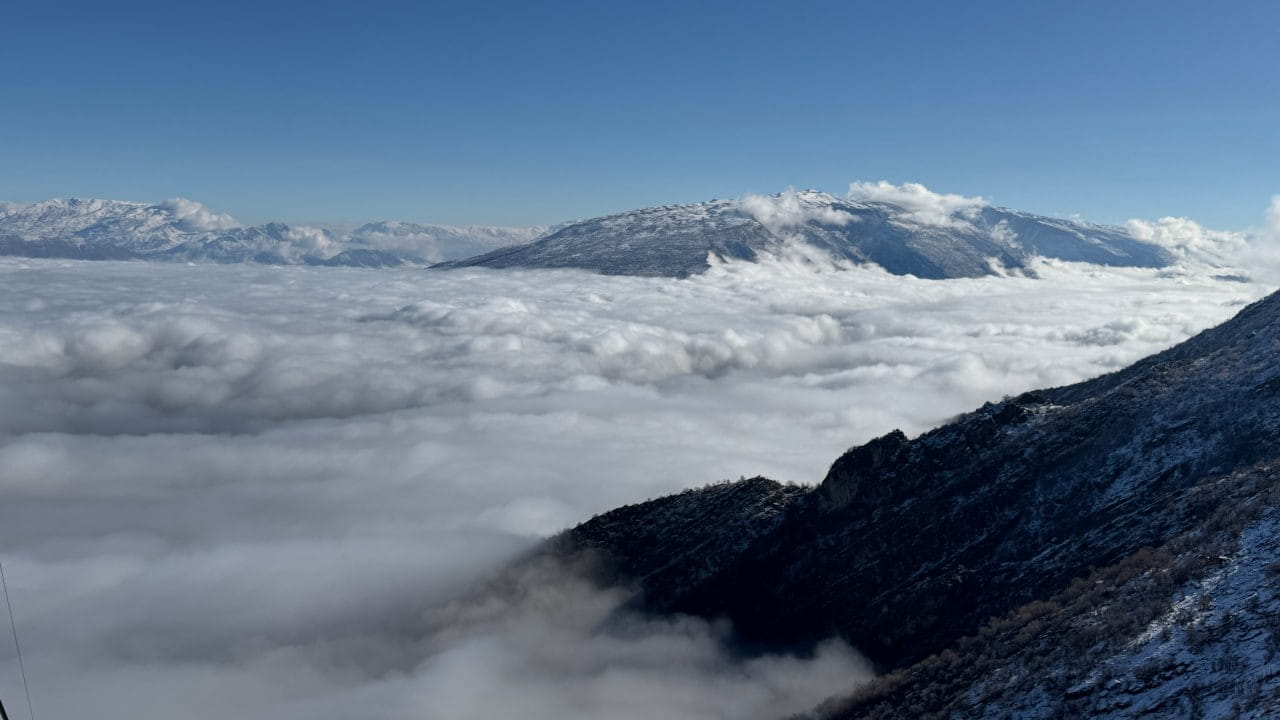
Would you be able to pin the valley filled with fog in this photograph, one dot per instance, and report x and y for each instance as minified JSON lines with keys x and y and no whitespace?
{"x":259,"y":490}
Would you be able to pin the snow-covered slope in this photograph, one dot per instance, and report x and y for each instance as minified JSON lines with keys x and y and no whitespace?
{"x":963,"y":240}
{"x":184,"y":230}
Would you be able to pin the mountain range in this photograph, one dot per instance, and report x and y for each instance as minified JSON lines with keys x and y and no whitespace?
{"x":182,"y":230}
{"x":903,"y":236}
{"x":1105,"y":549}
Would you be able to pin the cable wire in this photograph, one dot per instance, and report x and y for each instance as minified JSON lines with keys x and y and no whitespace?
{"x":14,"y":627}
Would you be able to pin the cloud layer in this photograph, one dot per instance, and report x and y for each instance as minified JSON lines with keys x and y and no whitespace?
{"x":259,"y":490}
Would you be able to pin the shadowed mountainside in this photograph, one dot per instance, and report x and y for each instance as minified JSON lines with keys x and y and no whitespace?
{"x":909,"y":545}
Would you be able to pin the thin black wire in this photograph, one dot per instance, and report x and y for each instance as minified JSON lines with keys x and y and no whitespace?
{"x":14,"y":626}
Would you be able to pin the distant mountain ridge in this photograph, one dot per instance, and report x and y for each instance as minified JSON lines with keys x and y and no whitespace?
{"x":921,"y":234}
{"x":183,"y":230}
{"x":957,"y":240}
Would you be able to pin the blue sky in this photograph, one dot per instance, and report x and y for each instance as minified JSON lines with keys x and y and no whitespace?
{"x":521,"y":113}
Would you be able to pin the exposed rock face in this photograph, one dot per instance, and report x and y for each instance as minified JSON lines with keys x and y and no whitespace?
{"x":908,"y":546}
{"x":676,"y":240}
{"x":719,"y":527}
{"x":862,"y":477}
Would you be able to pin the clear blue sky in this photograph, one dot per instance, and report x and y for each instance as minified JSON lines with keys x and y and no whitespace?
{"x":535,"y":112}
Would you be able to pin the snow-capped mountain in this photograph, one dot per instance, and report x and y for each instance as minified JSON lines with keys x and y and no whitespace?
{"x":129,"y":226}
{"x":912,"y":234}
{"x":179,"y":229}
{"x":1106,"y":549}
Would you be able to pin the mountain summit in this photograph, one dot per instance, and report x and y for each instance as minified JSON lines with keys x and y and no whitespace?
{"x":917,"y":233}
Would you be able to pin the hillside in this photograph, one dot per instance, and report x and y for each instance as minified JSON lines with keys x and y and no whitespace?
{"x":908,"y":546}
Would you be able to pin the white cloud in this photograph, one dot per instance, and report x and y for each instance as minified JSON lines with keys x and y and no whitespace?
{"x":1264,"y":249}
{"x":1255,"y":252}
{"x":10,"y":207}
{"x":255,"y":490}
{"x":791,"y":209}
{"x":313,"y":241}
{"x":1272,"y":225}
{"x":923,"y":206}
{"x":1188,"y":239}
{"x":195,"y":217}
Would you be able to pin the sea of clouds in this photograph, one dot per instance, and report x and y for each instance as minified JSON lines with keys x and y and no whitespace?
{"x":259,"y":491}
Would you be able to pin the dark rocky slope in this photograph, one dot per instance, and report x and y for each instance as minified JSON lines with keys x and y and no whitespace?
{"x":1190,"y":628}
{"x":909,"y":545}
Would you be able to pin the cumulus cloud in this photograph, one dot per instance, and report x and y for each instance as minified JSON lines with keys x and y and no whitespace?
{"x":923,"y":206}
{"x":305,"y":240}
{"x":262,"y":491}
{"x":791,"y":209}
{"x":195,"y":217}
{"x":1187,"y":239}
{"x":1272,"y":225}
{"x":1264,"y":251}
{"x":1254,"y":252}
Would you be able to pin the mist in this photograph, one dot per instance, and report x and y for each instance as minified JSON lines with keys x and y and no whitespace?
{"x":267,"y":491}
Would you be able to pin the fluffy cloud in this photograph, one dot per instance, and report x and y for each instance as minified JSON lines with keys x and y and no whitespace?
{"x":1255,"y":252}
{"x":924,"y":207}
{"x":194,"y":217}
{"x":1188,"y":239}
{"x":1264,"y":250}
{"x":306,"y":240}
{"x":791,"y":209}
{"x":261,"y":490}
{"x":1272,"y":225}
